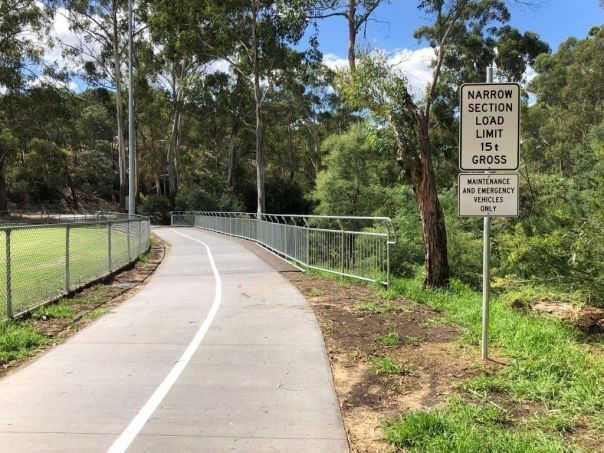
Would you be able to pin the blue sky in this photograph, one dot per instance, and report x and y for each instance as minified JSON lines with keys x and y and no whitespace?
{"x":553,"y":20}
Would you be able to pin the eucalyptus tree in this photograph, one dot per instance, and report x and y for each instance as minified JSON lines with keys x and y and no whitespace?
{"x":223,"y":107}
{"x":385,"y":91}
{"x":569,"y":90}
{"x":255,"y":38}
{"x":100,"y":29}
{"x":179,"y":33}
{"x":22,"y":24}
{"x":356,"y":12}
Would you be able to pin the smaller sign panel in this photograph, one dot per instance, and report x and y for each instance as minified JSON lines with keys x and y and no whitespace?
{"x":488,"y":195}
{"x":489,"y":131}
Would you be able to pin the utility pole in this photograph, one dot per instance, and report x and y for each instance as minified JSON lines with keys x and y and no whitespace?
{"x":131,"y":134}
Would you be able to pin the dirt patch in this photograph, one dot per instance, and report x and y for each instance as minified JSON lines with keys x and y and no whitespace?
{"x":354,"y":321}
{"x":589,"y":320}
{"x":92,"y":302}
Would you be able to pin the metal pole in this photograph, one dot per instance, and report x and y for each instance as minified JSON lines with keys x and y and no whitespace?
{"x":67,"y":276}
{"x":486,"y":253}
{"x":128,"y":236}
{"x":388,"y":260}
{"x":9,"y":289}
{"x":109,"y":244}
{"x":131,"y":137}
{"x":307,"y":241}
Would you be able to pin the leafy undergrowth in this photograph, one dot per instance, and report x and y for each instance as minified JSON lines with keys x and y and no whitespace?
{"x":551,"y":367}
{"x":53,"y":311}
{"x":18,"y":341}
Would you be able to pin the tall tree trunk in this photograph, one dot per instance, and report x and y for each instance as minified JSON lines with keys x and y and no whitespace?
{"x":171,"y":160}
{"x":259,"y":124}
{"x":74,"y":195}
{"x":352,"y":34}
{"x":232,"y":156}
{"x":178,"y":77}
{"x":117,"y":75}
{"x":433,"y":221}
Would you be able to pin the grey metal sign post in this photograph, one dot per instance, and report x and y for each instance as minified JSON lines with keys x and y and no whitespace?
{"x":486,"y":259}
{"x":489,"y":142}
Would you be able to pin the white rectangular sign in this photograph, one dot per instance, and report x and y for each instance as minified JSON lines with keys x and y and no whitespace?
{"x":493,"y":195}
{"x":489,"y":130}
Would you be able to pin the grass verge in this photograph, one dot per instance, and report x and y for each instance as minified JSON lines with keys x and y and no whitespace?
{"x":464,"y":427}
{"x":18,"y":341}
{"x":551,"y":368}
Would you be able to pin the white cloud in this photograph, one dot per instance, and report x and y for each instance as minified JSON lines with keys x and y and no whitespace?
{"x":60,"y":34}
{"x":529,"y":74}
{"x":334,"y":62}
{"x":219,"y":66}
{"x":414,"y":65}
{"x":60,"y":38}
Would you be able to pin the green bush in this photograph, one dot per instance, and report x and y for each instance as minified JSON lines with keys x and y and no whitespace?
{"x":211,"y":193}
{"x":157,"y":208}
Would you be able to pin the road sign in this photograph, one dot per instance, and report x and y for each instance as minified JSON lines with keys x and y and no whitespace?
{"x":489,"y":130}
{"x":488,"y":195}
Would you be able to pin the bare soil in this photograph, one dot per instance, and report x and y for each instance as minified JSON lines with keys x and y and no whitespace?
{"x":92,"y":302}
{"x":428,"y":349}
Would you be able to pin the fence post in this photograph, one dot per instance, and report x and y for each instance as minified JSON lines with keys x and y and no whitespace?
{"x":128,"y":235}
{"x":9,"y":289}
{"x":284,"y":237}
{"x":341,"y":246}
{"x":307,"y":242}
{"x":140,"y":250}
{"x":67,"y":251}
{"x":388,"y":260}
{"x":109,"y":243}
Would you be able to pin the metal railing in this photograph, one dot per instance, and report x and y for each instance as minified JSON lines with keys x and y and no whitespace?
{"x":40,"y":263}
{"x":357,"y":247}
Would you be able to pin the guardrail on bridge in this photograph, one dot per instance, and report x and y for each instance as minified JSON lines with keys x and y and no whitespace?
{"x":356,"y":247}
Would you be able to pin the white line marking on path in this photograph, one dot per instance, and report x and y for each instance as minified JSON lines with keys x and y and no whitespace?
{"x":122,"y":443}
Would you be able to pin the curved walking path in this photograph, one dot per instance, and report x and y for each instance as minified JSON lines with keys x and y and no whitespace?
{"x":217,"y":353}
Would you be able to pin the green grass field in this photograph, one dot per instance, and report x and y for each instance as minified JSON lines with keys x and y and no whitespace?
{"x":38,"y":260}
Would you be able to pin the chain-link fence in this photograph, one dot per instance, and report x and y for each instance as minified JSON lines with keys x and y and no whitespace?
{"x":357,"y":247}
{"x":39,"y":263}
{"x":24,"y":217}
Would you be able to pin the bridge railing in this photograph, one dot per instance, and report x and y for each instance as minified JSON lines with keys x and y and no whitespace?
{"x":41,"y":262}
{"x":357,"y":247}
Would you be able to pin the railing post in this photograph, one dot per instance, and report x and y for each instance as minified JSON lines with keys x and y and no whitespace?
{"x":67,"y":251}
{"x":341,"y":247}
{"x":388,"y":260}
{"x":285,"y":237}
{"x":109,"y":243}
{"x":307,"y":242}
{"x":9,"y":289}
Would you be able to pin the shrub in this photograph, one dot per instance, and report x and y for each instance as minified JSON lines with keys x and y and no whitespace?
{"x":155,"y":207}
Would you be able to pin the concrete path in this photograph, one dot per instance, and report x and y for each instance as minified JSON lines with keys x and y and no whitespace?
{"x":183,"y":366}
